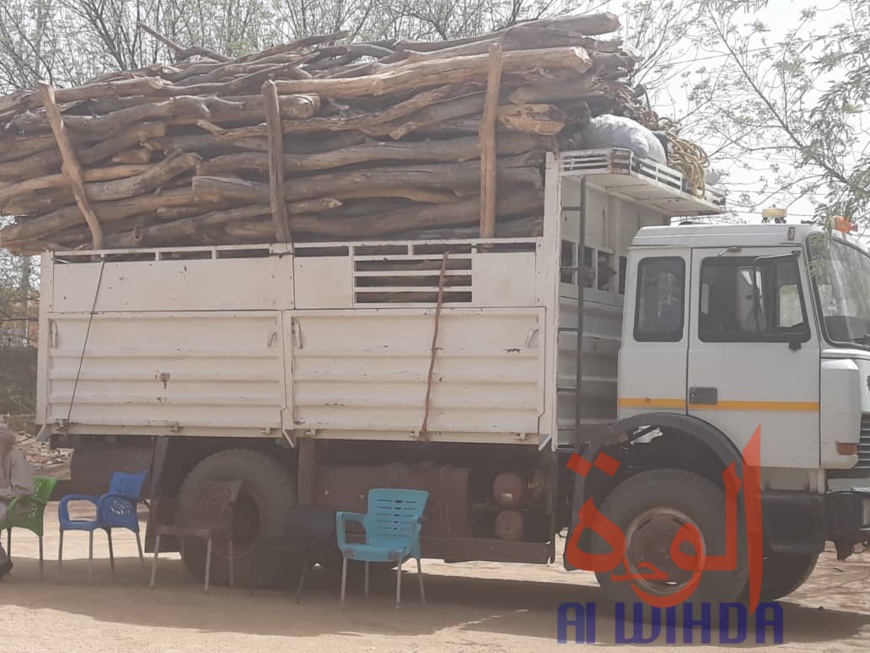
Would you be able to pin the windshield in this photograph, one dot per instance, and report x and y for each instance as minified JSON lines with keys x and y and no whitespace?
{"x":841,"y":275}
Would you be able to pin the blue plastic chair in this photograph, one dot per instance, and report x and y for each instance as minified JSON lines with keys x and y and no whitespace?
{"x":114,"y":509}
{"x":392,"y":527}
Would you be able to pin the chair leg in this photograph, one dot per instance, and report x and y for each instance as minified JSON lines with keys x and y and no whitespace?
{"x":420,"y":580}
{"x":232,"y":564}
{"x":154,"y":564}
{"x":343,"y":580}
{"x":41,"y":559}
{"x":302,"y":580}
{"x":111,"y":553}
{"x":207,"y":564}
{"x":9,"y":542}
{"x":90,"y":557}
{"x":60,"y":557}
{"x":398,"y":585}
{"x":367,"y":579}
{"x":181,"y":568}
{"x":139,"y":545}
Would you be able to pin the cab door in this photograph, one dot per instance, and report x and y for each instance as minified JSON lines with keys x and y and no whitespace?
{"x":652,"y":359}
{"x":754,"y":353}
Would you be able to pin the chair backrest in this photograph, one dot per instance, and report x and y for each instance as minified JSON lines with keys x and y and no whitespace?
{"x":393,"y":513}
{"x":44,"y":486}
{"x":128,"y":485}
{"x":211,"y":501}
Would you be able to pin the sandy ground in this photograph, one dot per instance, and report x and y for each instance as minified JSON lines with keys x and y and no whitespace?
{"x":470,"y":608}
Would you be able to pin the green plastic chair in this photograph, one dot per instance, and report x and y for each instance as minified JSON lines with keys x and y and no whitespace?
{"x":27,"y":512}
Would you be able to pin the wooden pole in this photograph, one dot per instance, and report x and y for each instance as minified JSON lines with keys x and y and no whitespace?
{"x":70,"y":163}
{"x":488,"y":153}
{"x":276,"y":161}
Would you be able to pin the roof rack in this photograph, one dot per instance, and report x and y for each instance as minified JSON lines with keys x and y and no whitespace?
{"x":620,"y":172}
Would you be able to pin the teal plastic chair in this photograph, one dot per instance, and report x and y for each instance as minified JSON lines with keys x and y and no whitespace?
{"x":392,"y":527}
{"x":27,"y":512}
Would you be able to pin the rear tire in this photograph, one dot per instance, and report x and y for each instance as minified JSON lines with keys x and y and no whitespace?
{"x":649,"y":508}
{"x":267,"y":495}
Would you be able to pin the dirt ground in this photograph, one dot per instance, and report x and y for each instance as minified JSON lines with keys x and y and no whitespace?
{"x":471,"y":608}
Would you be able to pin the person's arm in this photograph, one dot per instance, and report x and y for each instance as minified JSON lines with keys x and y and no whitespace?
{"x":22,"y":475}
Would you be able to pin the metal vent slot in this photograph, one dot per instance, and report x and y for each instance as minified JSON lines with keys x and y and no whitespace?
{"x":864,"y":443}
{"x":314,"y":252}
{"x":412,"y":280}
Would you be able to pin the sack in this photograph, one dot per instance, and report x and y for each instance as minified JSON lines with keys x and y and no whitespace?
{"x":608,"y":131}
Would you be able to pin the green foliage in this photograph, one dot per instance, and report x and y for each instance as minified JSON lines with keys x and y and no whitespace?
{"x":17,"y":380}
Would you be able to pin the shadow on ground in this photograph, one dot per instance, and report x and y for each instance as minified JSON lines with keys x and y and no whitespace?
{"x":488,"y":605}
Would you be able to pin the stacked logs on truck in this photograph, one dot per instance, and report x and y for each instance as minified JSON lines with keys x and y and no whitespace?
{"x":321,"y":139}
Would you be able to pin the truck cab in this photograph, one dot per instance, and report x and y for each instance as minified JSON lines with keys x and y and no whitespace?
{"x":730,"y":332}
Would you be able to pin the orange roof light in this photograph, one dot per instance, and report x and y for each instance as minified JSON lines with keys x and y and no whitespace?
{"x":843,"y":225}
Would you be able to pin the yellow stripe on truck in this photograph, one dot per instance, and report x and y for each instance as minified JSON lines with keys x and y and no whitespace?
{"x":767,"y":406}
{"x":647,"y":402}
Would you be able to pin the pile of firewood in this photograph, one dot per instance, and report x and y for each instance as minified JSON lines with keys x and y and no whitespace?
{"x":314,"y":140}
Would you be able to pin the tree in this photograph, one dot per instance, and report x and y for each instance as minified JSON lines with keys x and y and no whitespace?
{"x":790,"y":109}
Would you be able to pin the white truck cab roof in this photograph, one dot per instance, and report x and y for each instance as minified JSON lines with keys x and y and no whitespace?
{"x":727,"y":235}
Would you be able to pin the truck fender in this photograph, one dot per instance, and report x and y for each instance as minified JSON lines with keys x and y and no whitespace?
{"x":633,"y":428}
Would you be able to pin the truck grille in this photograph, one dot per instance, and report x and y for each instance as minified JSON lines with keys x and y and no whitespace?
{"x":864,"y":443}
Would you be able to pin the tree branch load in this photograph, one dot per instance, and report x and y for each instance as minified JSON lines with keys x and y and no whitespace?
{"x":319,"y":139}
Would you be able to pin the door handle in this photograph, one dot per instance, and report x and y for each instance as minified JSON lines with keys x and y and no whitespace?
{"x":704,"y":396}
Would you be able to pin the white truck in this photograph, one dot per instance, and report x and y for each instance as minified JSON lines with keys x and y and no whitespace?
{"x":317,"y":371}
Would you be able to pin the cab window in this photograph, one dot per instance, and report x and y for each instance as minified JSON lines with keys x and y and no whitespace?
{"x":751,"y":299}
{"x":660,"y":303}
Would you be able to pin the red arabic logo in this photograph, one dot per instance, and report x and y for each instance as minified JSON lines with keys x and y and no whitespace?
{"x":697,"y":563}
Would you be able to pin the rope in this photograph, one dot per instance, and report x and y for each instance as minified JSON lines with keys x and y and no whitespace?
{"x":424,"y":428}
{"x":85,"y":345}
{"x":687,"y":157}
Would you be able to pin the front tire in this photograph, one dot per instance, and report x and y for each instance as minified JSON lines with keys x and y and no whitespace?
{"x":649,"y":509}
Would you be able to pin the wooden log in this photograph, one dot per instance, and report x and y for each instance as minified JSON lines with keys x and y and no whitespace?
{"x":519,"y":37}
{"x":556,"y":91}
{"x":437,"y":73}
{"x":487,"y":143}
{"x":21,"y":147}
{"x":25,"y":188}
{"x":542,"y":119}
{"x":179,"y":50}
{"x":171,"y":233}
{"x":585,"y":24}
{"x":236,"y":86}
{"x":437,"y":177}
{"x":186,"y":109}
{"x":134,"y":86}
{"x":276,"y":163}
{"x":70,"y":167}
{"x":294,"y":46}
{"x":508,"y":227}
{"x":227,"y":71}
{"x":138,"y":155}
{"x":48,"y":162}
{"x":431,"y":151}
{"x":148,"y":179}
{"x":366,"y":122}
{"x":520,"y":200}
{"x":45,"y":225}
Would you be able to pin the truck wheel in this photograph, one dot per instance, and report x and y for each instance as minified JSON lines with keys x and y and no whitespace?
{"x":650,"y":508}
{"x":267,"y":495}
{"x":783,"y":573}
